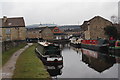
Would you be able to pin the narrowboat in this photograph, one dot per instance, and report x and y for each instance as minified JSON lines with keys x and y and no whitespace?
{"x":75,"y":42}
{"x":114,"y":47}
{"x":49,"y":53}
{"x":97,"y":45}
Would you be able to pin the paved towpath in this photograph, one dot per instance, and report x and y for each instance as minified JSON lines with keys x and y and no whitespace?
{"x":9,"y":67}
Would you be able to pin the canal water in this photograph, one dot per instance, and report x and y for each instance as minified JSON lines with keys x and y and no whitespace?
{"x":83,"y":63}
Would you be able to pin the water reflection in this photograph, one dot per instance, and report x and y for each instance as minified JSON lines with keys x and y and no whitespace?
{"x":84,"y":63}
{"x":55,"y":70}
{"x":98,"y":61}
{"x":78,"y":50}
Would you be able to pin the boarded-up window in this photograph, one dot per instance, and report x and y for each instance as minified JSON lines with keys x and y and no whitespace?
{"x":8,"y":31}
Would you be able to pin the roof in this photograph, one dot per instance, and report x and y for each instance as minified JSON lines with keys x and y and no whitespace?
{"x":98,"y":18}
{"x":13,"y":22}
{"x":44,"y":43}
{"x":36,"y":29}
{"x":51,"y":28}
{"x":86,"y":23}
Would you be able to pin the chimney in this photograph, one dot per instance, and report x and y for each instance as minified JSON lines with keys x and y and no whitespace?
{"x":5,"y":18}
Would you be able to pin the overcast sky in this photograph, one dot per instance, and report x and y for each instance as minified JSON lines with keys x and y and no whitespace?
{"x":58,"y":11}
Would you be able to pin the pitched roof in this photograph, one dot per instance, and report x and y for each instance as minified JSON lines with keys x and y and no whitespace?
{"x":86,"y":23}
{"x":51,"y":28}
{"x":13,"y":22}
{"x":99,"y":17}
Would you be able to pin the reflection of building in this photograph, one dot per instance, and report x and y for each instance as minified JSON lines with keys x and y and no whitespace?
{"x":12,"y":29}
{"x":99,"y":64}
{"x":78,"y":50}
{"x":94,"y":28}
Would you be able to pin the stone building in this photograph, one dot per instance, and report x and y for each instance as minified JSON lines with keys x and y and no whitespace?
{"x":94,"y":28}
{"x":58,"y":34}
{"x":46,"y":33}
{"x":34,"y":32}
{"x":12,"y":29}
{"x":53,"y":33}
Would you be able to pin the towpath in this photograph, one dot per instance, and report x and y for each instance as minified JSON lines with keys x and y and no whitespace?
{"x":9,"y":67}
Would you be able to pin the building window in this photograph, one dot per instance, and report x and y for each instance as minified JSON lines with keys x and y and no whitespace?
{"x":56,"y":30}
{"x":8,"y":31}
{"x":57,"y":37}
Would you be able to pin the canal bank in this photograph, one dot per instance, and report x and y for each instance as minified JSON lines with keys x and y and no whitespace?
{"x":29,"y":66}
{"x":8,"y":68}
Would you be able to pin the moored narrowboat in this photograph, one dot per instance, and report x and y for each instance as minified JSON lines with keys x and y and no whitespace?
{"x":114,"y":47}
{"x":49,"y":53}
{"x":97,"y":45}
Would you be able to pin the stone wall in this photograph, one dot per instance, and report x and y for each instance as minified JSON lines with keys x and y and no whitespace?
{"x":33,"y":33}
{"x":47,"y":34}
{"x":15,"y":33}
{"x":6,"y":45}
{"x":97,"y":28}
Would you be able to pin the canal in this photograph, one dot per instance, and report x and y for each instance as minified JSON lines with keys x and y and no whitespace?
{"x":83,"y":63}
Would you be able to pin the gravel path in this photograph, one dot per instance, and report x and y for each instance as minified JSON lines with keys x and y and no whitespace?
{"x":9,"y":67}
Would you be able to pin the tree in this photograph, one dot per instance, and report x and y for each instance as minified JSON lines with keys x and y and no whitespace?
{"x":111,"y":31}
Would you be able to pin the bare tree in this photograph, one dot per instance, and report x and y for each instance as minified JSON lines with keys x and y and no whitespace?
{"x":114,"y":19}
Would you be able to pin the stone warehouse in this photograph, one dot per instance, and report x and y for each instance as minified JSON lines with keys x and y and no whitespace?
{"x":94,"y":28}
{"x":12,"y":29}
{"x":12,"y":32}
{"x":46,"y":33}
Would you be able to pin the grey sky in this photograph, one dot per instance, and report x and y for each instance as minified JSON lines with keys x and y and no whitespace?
{"x":60,"y":11}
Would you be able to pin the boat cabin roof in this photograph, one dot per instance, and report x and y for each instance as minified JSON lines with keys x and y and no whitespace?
{"x":44,"y":43}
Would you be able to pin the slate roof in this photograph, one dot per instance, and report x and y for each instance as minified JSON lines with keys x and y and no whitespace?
{"x":12,"y":22}
{"x":86,"y":23}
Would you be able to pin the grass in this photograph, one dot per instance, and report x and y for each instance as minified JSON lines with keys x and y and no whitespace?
{"x":7,"y":54}
{"x":29,"y":66}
